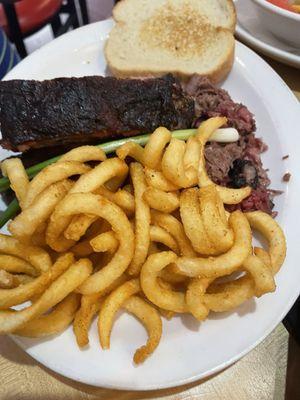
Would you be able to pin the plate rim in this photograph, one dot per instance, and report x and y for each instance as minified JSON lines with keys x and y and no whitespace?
{"x":267,"y":49}
{"x":220,"y":367}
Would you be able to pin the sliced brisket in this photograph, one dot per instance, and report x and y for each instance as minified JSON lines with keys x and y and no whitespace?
{"x":211,"y":101}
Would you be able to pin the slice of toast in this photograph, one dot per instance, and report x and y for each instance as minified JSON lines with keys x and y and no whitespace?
{"x":184,"y":37}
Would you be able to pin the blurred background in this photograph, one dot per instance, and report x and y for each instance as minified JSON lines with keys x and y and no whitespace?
{"x":26,"y":25}
{"x":32,"y":23}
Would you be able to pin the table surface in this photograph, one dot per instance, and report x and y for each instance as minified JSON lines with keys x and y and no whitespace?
{"x":259,"y":375}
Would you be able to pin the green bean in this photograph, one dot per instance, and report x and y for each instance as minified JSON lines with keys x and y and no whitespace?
{"x":9,"y":213}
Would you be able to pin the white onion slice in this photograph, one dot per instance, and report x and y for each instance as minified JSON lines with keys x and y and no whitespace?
{"x":225,"y":135}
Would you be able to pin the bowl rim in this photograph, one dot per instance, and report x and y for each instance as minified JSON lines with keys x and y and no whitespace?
{"x":271,"y":7}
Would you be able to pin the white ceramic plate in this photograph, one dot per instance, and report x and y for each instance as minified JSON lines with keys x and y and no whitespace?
{"x":251,"y":31}
{"x":188,"y":351}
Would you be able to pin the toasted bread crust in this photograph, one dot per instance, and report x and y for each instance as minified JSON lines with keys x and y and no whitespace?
{"x":223,"y":70}
{"x":234,"y":15}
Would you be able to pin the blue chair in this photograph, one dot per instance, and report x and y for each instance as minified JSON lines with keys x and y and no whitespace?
{"x":22,"y":18}
{"x":8,"y":55}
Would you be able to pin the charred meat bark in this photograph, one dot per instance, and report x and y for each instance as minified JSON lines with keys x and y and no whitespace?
{"x":243,"y":173}
{"x":36,"y":114}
